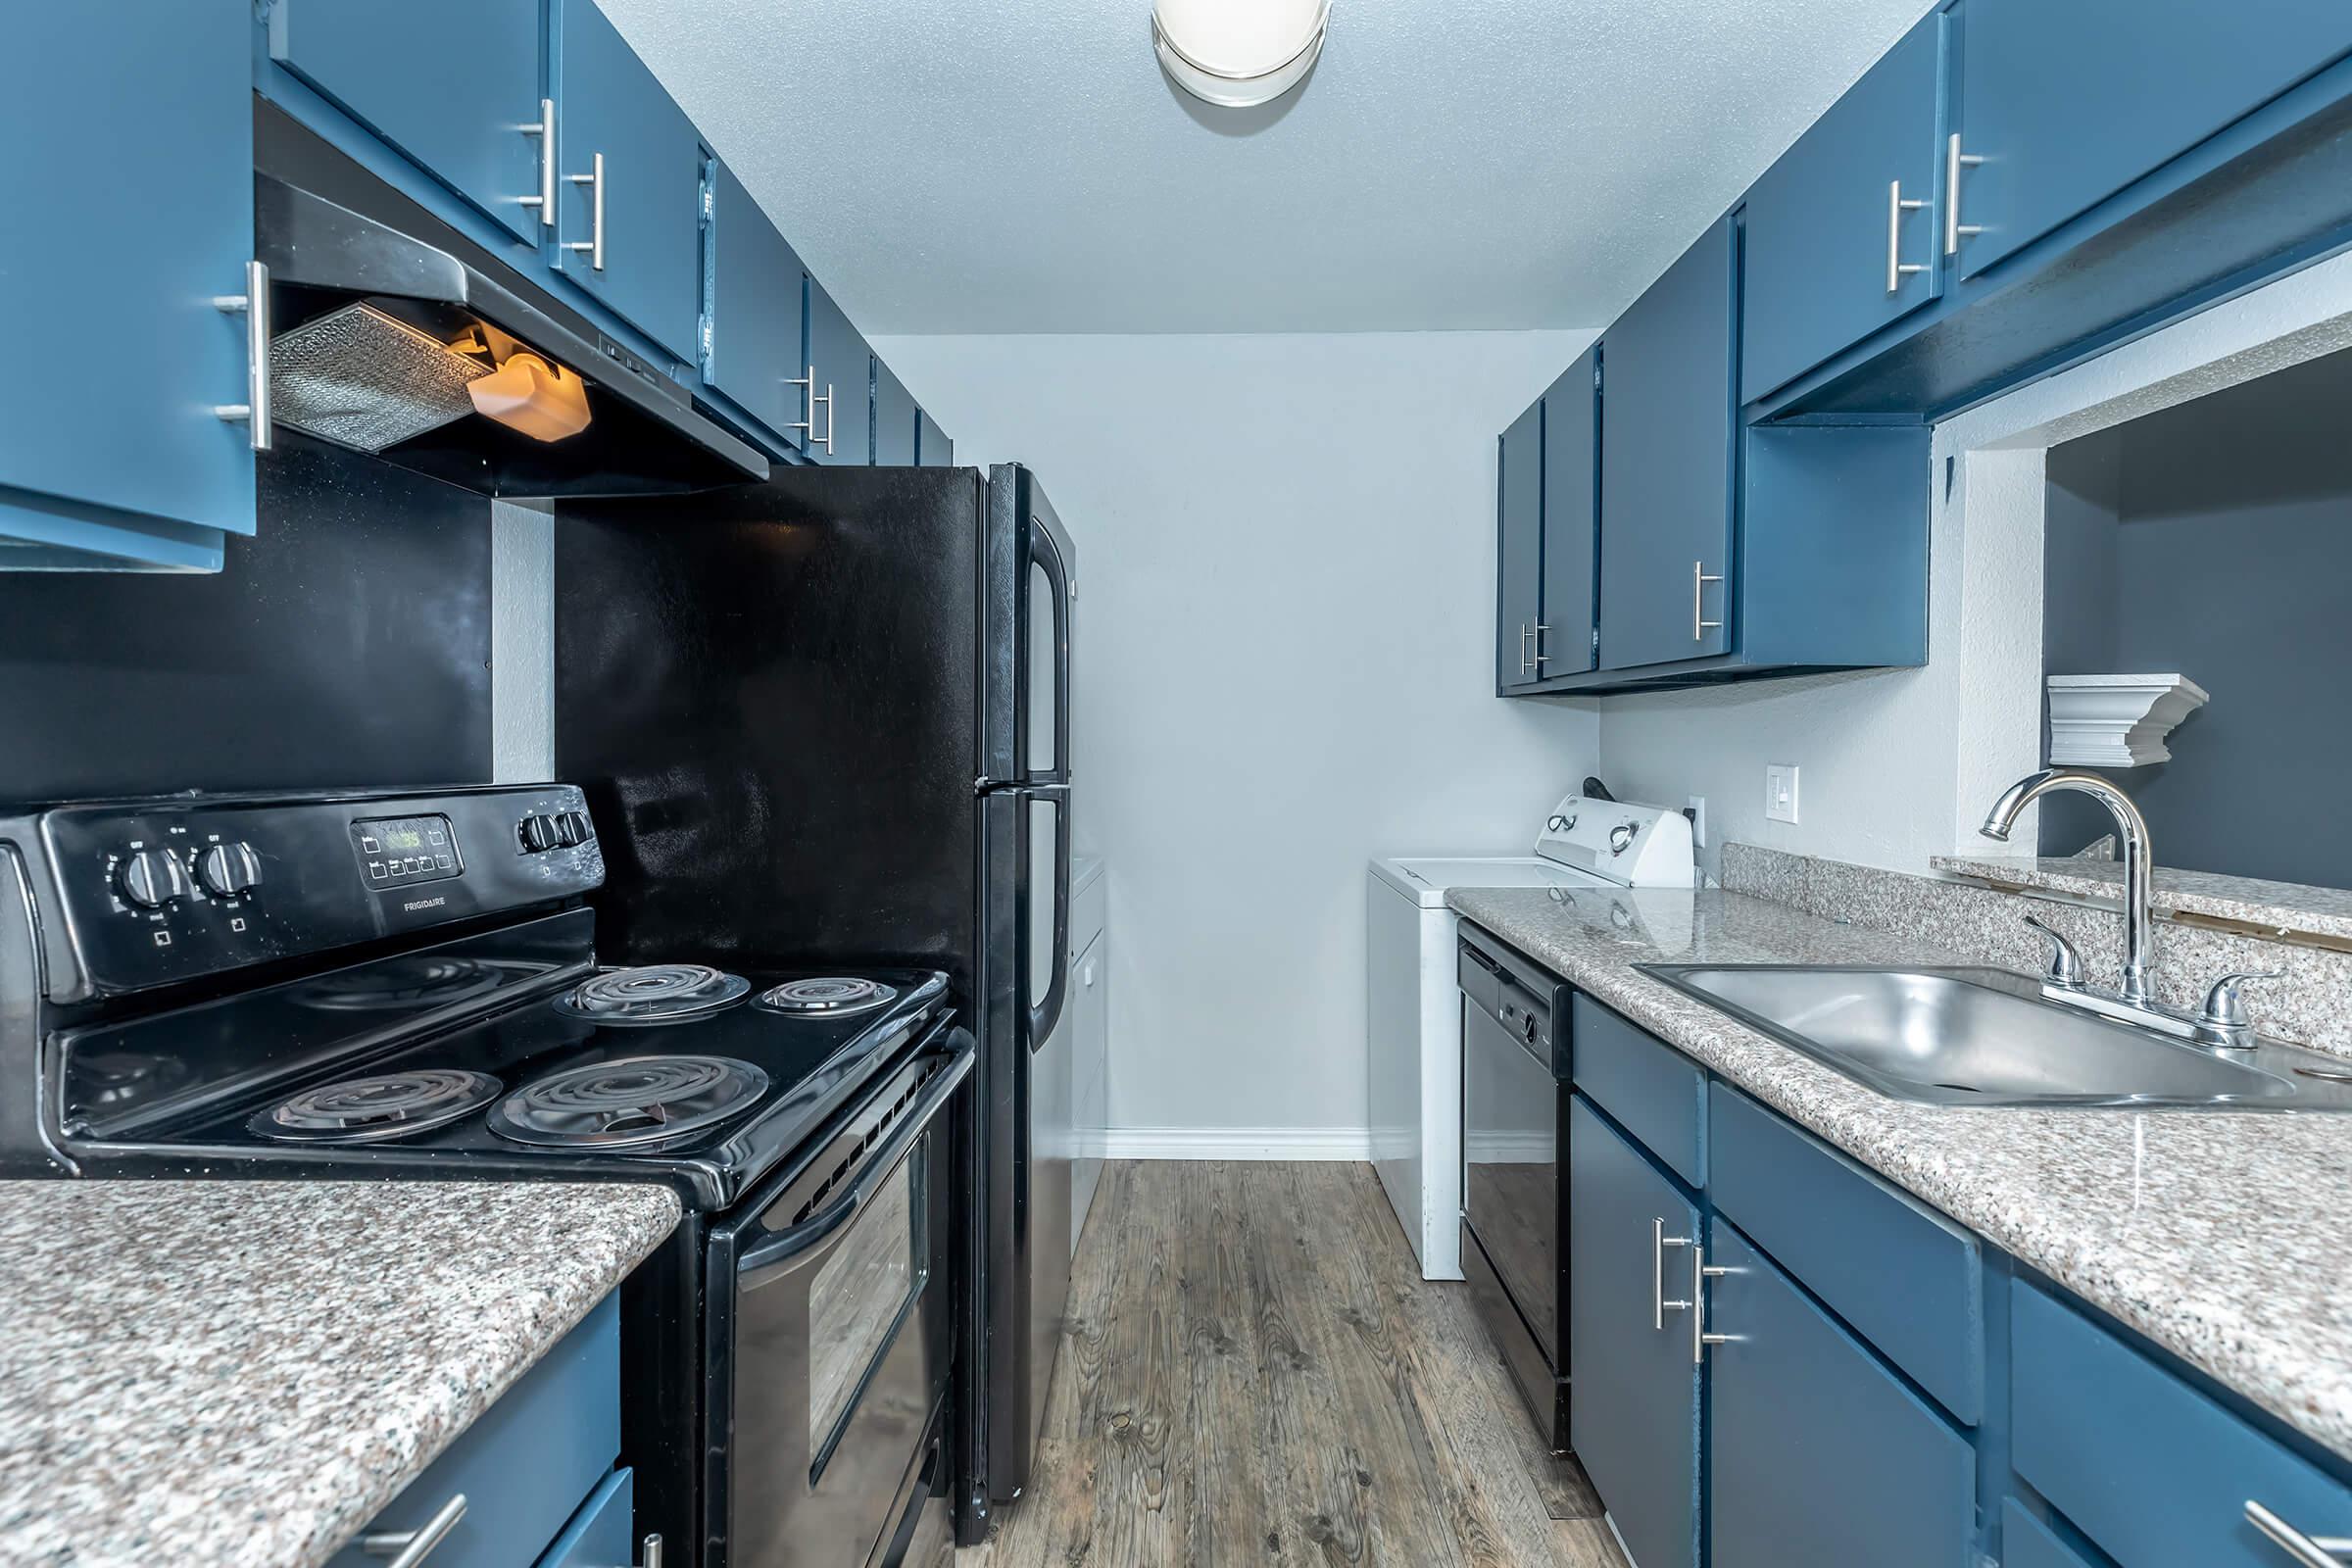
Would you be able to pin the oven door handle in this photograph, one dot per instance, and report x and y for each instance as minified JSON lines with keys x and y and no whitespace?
{"x":765,"y":1256}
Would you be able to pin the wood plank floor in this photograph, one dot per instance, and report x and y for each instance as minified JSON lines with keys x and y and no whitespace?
{"x":1254,"y":1371}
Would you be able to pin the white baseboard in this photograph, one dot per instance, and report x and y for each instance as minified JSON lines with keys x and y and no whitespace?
{"x":1237,"y":1143}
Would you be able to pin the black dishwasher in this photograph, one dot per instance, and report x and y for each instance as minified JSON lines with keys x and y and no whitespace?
{"x":1515,"y":1087}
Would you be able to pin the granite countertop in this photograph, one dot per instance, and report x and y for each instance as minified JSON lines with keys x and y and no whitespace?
{"x":243,"y":1374}
{"x":2214,"y":1234}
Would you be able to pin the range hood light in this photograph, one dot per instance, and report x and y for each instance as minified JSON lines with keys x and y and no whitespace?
{"x":1237,"y":54}
{"x":545,"y":402}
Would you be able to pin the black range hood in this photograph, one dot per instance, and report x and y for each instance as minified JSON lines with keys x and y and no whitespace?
{"x":333,"y":234}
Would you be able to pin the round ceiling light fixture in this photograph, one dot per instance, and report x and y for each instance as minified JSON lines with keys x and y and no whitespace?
{"x":1239,"y":53}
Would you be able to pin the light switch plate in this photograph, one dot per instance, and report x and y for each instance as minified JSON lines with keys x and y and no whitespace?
{"x":1780,"y":792}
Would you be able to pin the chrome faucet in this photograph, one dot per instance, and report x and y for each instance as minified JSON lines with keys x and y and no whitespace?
{"x":2140,"y":938}
{"x":2222,"y":1022}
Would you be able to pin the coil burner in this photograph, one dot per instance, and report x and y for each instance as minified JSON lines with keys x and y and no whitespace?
{"x":628,"y":1101}
{"x":659,"y":993}
{"x":393,"y":1105}
{"x":832,"y":997}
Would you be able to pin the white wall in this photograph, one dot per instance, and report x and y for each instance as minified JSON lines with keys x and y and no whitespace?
{"x":1900,"y":765}
{"x":1285,"y":666}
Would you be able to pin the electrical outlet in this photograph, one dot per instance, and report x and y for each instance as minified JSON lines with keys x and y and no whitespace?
{"x":1696,"y":811}
{"x":1780,"y":792}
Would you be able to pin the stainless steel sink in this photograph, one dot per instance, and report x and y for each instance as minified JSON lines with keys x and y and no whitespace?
{"x":1985,"y":1036}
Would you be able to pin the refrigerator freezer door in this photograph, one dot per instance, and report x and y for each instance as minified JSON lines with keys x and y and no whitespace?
{"x":1027,"y":561}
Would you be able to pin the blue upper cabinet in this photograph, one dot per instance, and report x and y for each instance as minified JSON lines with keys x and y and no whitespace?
{"x":1666,"y":504}
{"x":932,"y":448}
{"x":129,"y":182}
{"x":629,"y":176}
{"x":1570,"y":518}
{"x":451,"y":83}
{"x":752,"y":355}
{"x":1843,"y":236}
{"x":2062,"y":103}
{"x":1519,"y":551}
{"x":895,"y":419}
{"x":839,"y":398}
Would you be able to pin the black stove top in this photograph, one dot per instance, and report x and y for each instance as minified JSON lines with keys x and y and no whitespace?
{"x":490,"y":1058}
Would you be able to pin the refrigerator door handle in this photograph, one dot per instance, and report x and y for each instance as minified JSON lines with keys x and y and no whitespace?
{"x":1045,"y":554}
{"x":1046,"y":1012}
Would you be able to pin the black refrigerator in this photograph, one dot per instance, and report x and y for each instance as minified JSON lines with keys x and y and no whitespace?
{"x":825,"y":721}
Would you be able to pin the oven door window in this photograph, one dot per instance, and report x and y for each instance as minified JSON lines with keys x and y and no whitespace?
{"x":860,"y":1295}
{"x":1510,"y":1167}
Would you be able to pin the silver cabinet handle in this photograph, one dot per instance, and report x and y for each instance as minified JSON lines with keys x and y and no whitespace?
{"x":1701,"y":1272}
{"x":254,"y":303}
{"x":1525,"y":669}
{"x":1700,"y":576}
{"x":807,"y":381}
{"x":2312,"y":1552}
{"x":594,"y":244}
{"x":545,"y":130}
{"x":1896,"y":267}
{"x":1955,"y":161}
{"x":408,"y":1547}
{"x":1540,"y":655}
{"x":1659,"y":1306}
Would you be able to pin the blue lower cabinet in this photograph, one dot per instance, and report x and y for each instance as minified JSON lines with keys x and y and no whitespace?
{"x":1633,"y":1377}
{"x":129,"y":182}
{"x":1817,"y":1454}
{"x":1652,"y":1090}
{"x":524,"y":1466}
{"x":2155,"y":1471}
{"x":2028,"y":1542}
{"x":601,"y":1534}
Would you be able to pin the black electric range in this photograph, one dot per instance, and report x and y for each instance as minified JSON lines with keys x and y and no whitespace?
{"x":407,"y":987}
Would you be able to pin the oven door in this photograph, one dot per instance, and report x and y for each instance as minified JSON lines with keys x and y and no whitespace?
{"x":1511,"y":1156}
{"x":831,"y":1333}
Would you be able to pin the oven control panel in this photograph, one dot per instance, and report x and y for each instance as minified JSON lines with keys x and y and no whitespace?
{"x":133,"y":894}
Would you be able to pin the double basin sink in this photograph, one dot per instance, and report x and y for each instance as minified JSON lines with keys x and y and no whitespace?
{"x":1972,"y":1036}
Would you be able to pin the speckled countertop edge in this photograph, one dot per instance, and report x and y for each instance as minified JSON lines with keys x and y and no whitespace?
{"x":2275,"y":906}
{"x":243,"y":1374}
{"x":2213,"y":1233}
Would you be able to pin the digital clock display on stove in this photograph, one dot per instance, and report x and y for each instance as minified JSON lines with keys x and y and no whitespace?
{"x":401,"y":850}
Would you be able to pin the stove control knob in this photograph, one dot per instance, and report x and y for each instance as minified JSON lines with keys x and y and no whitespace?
{"x":538,"y":833}
{"x":229,"y":869}
{"x":1622,"y":836}
{"x":572,"y":827}
{"x":152,"y":878}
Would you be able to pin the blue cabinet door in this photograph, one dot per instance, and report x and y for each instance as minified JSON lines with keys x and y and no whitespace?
{"x":1519,"y":550}
{"x":453,"y":84}
{"x":127,"y":182}
{"x":2068,"y":101}
{"x":1633,"y":1379}
{"x":1570,"y":518}
{"x":932,"y":447}
{"x":755,"y":308}
{"x":1666,"y":465}
{"x":632,"y":235}
{"x":895,"y":419}
{"x":839,"y":398}
{"x":1816,"y":1453}
{"x":1830,"y":231}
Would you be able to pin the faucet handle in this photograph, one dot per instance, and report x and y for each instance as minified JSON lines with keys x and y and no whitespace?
{"x":2224,"y":1007}
{"x":2066,"y":965}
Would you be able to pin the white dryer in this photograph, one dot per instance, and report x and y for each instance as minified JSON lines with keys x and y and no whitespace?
{"x":1413,"y":1010}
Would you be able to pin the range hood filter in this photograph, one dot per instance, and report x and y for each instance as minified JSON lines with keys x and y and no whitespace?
{"x":362,"y":379}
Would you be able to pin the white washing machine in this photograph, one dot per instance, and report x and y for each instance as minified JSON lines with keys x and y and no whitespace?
{"x":1413,"y":1010}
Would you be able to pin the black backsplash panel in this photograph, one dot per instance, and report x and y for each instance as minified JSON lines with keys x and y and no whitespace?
{"x":347,"y":645}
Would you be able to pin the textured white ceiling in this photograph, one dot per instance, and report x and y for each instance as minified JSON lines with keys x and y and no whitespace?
{"x":1021,"y":166}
